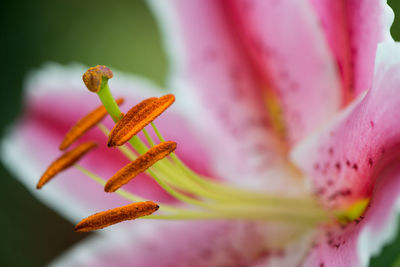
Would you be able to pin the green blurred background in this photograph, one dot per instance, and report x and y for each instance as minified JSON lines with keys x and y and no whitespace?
{"x":122,"y":35}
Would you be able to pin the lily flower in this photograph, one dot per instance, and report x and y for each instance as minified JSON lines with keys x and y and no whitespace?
{"x":281,"y":148}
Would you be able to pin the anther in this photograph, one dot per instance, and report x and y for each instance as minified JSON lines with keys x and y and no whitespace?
{"x":94,"y":76}
{"x":139,"y":165}
{"x":137,"y":118}
{"x":85,"y":124}
{"x":113,"y":216}
{"x":64,"y":161}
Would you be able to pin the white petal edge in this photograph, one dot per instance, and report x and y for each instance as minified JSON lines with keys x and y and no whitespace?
{"x":164,"y":13}
{"x":110,"y":238}
{"x":387,"y":21}
{"x":53,"y":73}
{"x":370,"y":243}
{"x":18,"y":163}
{"x":167,"y":21}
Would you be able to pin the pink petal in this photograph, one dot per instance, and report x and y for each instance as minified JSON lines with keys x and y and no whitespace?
{"x":357,"y":157}
{"x":222,"y":98}
{"x":344,"y":159}
{"x":353,"y":29}
{"x":201,"y":243}
{"x":288,"y":51}
{"x":56,"y":99}
{"x":356,"y":243}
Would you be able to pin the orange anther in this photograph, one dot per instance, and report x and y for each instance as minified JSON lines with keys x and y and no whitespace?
{"x":139,"y":165}
{"x":137,"y":118}
{"x":66,"y":160}
{"x":85,"y":124}
{"x":113,"y":216}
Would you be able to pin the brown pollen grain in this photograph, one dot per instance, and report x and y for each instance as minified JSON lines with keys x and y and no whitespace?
{"x":65,"y":161}
{"x":137,"y":118}
{"x":85,"y":124}
{"x":139,"y":165}
{"x":113,"y":216}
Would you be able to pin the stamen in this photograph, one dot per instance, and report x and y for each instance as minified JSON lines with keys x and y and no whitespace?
{"x":93,"y":77}
{"x":65,"y":161}
{"x":139,"y":165}
{"x":137,"y":118}
{"x":113,"y":216}
{"x":204,"y":198}
{"x":128,"y":121}
{"x":85,"y":124}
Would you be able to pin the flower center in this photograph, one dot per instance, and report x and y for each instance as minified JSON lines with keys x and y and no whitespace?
{"x":202,"y":197}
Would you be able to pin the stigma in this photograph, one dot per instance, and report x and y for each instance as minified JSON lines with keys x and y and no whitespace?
{"x":200,"y":198}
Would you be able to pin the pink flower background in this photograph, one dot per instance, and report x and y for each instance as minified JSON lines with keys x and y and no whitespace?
{"x":35,"y":231}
